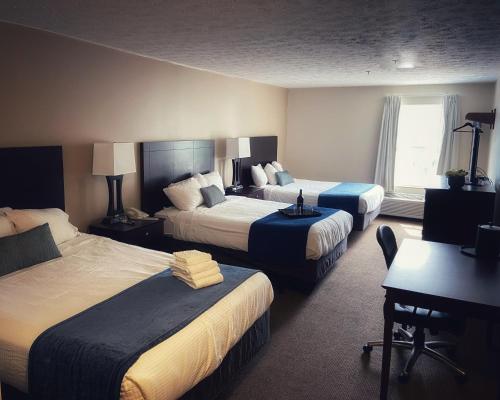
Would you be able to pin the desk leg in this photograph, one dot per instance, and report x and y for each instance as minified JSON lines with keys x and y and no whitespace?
{"x":386,"y":355}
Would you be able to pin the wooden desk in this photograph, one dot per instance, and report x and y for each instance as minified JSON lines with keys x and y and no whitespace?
{"x":437,"y":276}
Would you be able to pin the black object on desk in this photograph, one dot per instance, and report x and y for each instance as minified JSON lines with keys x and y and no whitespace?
{"x":144,"y":232}
{"x":452,"y":216}
{"x":487,"y":243}
{"x":437,"y":276}
{"x":246,"y":191}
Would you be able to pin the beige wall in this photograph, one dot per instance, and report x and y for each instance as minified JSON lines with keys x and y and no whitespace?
{"x":56,"y":90}
{"x":332,"y":133}
{"x":494,"y":156}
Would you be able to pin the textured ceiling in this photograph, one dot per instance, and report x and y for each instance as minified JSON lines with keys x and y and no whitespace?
{"x":290,"y":43}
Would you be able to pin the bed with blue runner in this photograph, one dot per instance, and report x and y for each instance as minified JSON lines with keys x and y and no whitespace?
{"x":86,"y":356}
{"x":344,"y":196}
{"x":279,"y":239}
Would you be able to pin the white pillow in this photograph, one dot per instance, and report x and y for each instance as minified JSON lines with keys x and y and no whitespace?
{"x":185,"y":195}
{"x":214,"y":178}
{"x":6,"y":227}
{"x":271,"y":174}
{"x":278,"y":166}
{"x":201,"y":180}
{"x":58,"y":221}
{"x":258,"y":175}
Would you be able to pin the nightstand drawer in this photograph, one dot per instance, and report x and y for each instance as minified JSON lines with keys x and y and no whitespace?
{"x":144,"y":235}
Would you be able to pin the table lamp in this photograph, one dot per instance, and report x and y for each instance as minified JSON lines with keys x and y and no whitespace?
{"x":236,"y":149}
{"x":113,"y":160}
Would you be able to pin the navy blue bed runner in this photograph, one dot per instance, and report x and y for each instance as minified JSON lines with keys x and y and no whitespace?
{"x":280,"y":239}
{"x":86,"y":356}
{"x":344,"y":196}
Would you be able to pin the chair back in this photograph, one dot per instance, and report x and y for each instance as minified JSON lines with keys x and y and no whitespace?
{"x":387,"y":241}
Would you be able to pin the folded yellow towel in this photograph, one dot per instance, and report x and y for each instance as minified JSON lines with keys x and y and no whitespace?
{"x":197,"y":276}
{"x":191,"y":257}
{"x":194,"y":269}
{"x":201,"y":283}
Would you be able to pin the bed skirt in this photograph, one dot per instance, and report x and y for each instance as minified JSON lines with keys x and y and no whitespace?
{"x":243,"y":351}
{"x":304,"y":276}
{"x":216,"y":383}
{"x":361,"y":221}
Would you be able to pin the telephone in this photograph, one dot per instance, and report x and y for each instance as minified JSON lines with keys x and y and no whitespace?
{"x":134,"y":213}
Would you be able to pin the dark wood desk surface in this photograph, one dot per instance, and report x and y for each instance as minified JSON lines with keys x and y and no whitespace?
{"x":438,"y":277}
{"x":441,"y":270}
{"x":466,"y":188}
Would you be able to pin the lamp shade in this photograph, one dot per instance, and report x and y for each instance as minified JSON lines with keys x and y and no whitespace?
{"x":237,"y":148}
{"x":112,"y":159}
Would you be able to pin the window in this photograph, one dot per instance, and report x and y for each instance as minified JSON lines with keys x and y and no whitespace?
{"x":420,"y":133}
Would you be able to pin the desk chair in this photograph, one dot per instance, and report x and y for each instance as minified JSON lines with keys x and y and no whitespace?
{"x":420,"y":318}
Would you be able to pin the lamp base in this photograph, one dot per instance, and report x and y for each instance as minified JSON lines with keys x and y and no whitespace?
{"x":115,"y":209}
{"x":236,"y":172}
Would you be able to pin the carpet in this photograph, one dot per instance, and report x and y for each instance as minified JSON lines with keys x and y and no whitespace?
{"x":315,"y":350}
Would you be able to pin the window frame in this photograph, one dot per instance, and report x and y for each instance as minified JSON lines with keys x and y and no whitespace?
{"x":414,"y":100}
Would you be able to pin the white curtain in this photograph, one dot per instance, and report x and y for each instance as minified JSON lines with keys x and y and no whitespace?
{"x":448,"y":158}
{"x":386,"y":157}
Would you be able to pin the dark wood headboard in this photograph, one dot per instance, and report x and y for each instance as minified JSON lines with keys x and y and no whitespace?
{"x":32,"y":177}
{"x":165,"y":162}
{"x":263,"y":149}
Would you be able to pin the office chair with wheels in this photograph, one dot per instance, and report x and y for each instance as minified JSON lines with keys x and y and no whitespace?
{"x":419,"y":318}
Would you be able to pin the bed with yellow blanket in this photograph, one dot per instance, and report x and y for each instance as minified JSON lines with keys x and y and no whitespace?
{"x":93,"y":269}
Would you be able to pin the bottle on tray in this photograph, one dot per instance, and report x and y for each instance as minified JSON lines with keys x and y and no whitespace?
{"x":300,"y":203}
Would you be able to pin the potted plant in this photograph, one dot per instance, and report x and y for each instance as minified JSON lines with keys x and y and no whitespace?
{"x":456,"y":178}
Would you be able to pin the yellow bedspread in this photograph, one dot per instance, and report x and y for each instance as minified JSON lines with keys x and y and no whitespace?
{"x":93,"y":269}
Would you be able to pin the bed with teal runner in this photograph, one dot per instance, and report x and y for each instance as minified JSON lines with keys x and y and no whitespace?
{"x":281,"y":240}
{"x":344,"y":196}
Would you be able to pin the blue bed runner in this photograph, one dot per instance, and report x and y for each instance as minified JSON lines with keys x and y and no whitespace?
{"x":344,"y":196}
{"x":86,"y":356}
{"x":280,"y":239}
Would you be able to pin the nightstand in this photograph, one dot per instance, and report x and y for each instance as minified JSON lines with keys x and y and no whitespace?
{"x":249,"y":191}
{"x":144,"y":233}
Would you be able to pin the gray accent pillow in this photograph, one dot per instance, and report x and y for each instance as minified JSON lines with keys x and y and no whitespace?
{"x":212,"y":195}
{"x":26,"y":249}
{"x":284,"y":178}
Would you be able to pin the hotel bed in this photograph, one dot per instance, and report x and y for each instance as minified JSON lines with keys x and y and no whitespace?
{"x":226,"y":229}
{"x":194,"y":362}
{"x":228,"y":225}
{"x":369,"y":198}
{"x":93,"y":269}
{"x":368,"y":205}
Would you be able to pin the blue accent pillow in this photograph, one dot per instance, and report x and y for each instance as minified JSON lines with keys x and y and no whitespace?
{"x":26,"y":249}
{"x":284,"y":178}
{"x":212,"y":195}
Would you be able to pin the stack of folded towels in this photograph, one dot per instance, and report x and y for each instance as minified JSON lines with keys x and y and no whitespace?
{"x":196,"y":269}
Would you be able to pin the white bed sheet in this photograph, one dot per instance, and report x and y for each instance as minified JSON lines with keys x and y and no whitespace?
{"x":228,"y":225}
{"x":93,"y":269}
{"x":368,"y":201}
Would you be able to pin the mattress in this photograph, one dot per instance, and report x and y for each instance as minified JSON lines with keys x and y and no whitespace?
{"x":228,"y":224}
{"x":368,"y":201}
{"x":93,"y":269}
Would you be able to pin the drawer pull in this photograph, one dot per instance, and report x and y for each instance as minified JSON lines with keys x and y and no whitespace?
{"x":147,"y":233}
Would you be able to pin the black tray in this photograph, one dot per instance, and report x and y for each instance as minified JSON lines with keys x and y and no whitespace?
{"x":294,"y":213}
